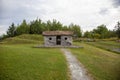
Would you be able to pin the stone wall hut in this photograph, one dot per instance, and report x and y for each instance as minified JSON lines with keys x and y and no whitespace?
{"x":54,"y":38}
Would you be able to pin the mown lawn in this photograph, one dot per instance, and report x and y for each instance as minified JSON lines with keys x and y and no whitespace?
{"x":102,"y":64}
{"x":22,"y":62}
{"x":108,"y":45}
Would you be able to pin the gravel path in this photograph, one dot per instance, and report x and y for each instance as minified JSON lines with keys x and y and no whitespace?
{"x":76,"y":68}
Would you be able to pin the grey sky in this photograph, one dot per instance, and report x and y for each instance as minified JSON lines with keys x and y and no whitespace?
{"x":87,"y":13}
{"x":116,"y":3}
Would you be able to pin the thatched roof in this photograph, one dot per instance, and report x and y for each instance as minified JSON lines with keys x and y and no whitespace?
{"x":52,"y":33}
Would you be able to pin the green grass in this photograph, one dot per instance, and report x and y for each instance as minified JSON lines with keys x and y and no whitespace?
{"x":24,"y":39}
{"x":22,"y":62}
{"x":102,"y":64}
{"x":35,"y":37}
{"x":19,"y":61}
{"x":107,"y":45}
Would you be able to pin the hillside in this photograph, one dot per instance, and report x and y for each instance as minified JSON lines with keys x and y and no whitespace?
{"x":25,"y":38}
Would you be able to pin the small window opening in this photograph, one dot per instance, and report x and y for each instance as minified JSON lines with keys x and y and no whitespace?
{"x":65,"y":38}
{"x":50,"y":38}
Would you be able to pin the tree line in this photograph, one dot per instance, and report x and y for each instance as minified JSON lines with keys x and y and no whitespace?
{"x":102,"y":32}
{"x":38,"y":26}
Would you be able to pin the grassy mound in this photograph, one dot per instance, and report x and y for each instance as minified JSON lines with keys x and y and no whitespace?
{"x":31,"y":37}
{"x":25,"y":38}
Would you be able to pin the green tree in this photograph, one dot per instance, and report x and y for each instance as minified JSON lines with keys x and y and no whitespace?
{"x":102,"y":31}
{"x":36,"y":27}
{"x":11,"y":30}
{"x":76,"y":29}
{"x":44,"y":27}
{"x":117,"y":28}
{"x":65,"y":28}
{"x":54,"y":25}
{"x":3,"y":37}
{"x":96,"y":36}
{"x":87,"y":34}
{"x":112,"y":33}
{"x":23,"y":28}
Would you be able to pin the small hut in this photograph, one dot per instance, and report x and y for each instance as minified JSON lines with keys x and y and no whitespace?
{"x":54,"y":38}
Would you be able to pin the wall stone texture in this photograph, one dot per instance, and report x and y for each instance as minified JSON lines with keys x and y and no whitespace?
{"x":52,"y":40}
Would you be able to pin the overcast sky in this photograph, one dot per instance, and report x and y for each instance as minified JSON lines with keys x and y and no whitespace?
{"x":86,"y":13}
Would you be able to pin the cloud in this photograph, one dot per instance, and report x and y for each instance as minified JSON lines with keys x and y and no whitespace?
{"x":3,"y":29}
{"x":86,"y":13}
{"x":104,"y":11}
{"x":18,"y":10}
{"x":116,"y":3}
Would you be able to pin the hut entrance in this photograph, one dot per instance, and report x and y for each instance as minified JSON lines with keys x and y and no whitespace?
{"x":58,"y":40}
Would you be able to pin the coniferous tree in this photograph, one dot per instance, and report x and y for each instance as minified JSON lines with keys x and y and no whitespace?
{"x":36,"y":27}
{"x":23,"y":28}
{"x":56,"y":25}
{"x":11,"y":30}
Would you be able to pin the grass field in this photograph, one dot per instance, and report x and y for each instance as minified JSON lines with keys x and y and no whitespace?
{"x":22,"y":62}
{"x":108,"y":45}
{"x":102,"y":64}
{"x":19,"y":61}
